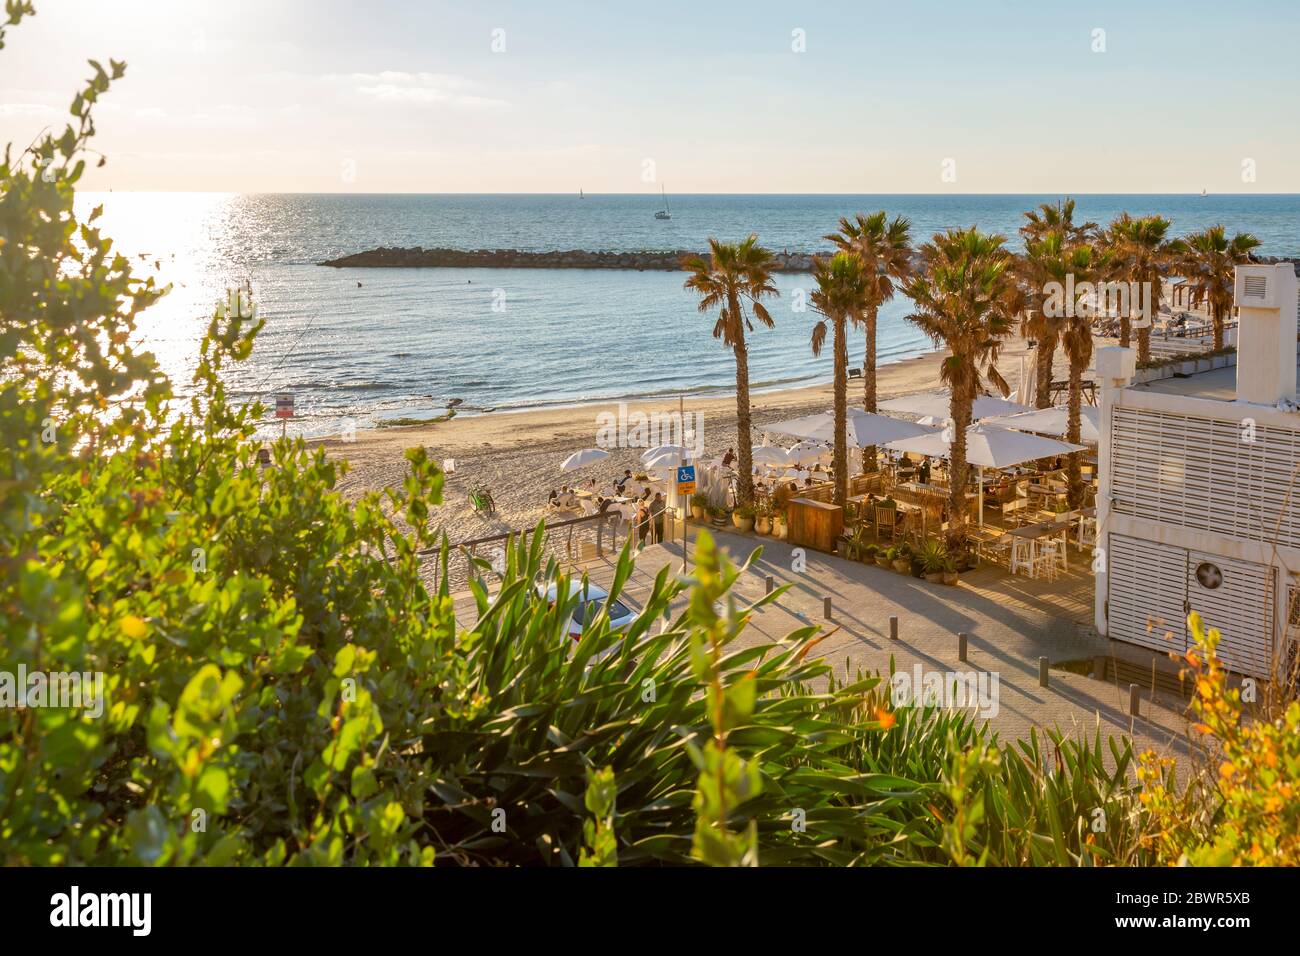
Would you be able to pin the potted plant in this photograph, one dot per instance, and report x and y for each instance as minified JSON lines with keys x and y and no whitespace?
{"x":869,"y":554}
{"x":718,"y":516}
{"x":778,"y":524}
{"x":950,"y":575}
{"x":699,"y":505}
{"x":902,"y":559}
{"x":743,"y":518}
{"x":932,"y":556}
{"x":884,"y":557}
{"x":763,"y":519}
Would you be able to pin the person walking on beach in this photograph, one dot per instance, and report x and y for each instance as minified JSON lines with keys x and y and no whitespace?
{"x":657,"y":514}
{"x":728,"y":458}
{"x":642,"y":523}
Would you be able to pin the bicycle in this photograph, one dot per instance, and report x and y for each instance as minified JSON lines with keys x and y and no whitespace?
{"x":482,"y":501}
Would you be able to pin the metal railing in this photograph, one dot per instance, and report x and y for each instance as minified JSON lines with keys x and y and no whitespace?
{"x":573,"y":541}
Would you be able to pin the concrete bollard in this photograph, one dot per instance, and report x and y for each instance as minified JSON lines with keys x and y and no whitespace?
{"x":826,"y":608}
{"x":961,"y":645}
{"x":1134,"y":700}
{"x":1042,"y":672}
{"x":770,"y":584}
{"x":1099,"y":667}
{"x":893,"y":628}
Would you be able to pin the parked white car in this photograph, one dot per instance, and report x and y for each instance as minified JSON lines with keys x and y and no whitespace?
{"x":592,"y":598}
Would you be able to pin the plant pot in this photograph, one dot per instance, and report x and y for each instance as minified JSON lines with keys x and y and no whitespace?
{"x":718,"y":521}
{"x":950,"y":577}
{"x":697,"y":512}
{"x":763,"y":525}
{"x":882,"y":561}
{"x":903,"y":566}
{"x":934,"y":577}
{"x":779,"y":529}
{"x":743,"y":524}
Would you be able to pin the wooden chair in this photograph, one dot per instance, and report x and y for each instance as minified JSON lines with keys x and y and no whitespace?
{"x":885,"y":520}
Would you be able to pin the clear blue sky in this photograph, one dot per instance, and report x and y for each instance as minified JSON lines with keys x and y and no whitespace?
{"x":379,"y":96}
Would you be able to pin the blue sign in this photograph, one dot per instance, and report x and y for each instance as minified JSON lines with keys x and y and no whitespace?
{"x":686,"y":474}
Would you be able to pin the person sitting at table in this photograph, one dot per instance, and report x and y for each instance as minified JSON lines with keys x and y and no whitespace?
{"x":621,"y":483}
{"x":923,"y":472}
{"x":568,"y":500}
{"x":553,"y":500}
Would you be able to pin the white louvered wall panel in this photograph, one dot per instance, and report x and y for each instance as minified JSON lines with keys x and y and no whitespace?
{"x":1198,"y":473}
{"x":1241,"y":608}
{"x":1146,"y":594}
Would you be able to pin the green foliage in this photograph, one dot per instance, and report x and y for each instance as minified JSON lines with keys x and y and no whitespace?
{"x":601,"y":848}
{"x":281,"y":687}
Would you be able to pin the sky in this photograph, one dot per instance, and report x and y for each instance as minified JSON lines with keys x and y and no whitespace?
{"x":1038,"y":96}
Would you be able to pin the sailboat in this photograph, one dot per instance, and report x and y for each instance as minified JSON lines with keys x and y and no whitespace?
{"x":663,"y":213}
{"x":1204,"y":193}
{"x":580,"y":195}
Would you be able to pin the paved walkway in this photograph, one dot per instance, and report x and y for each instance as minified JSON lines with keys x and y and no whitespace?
{"x":1011,"y":622}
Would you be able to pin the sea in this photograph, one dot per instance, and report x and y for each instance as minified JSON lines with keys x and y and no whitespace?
{"x":359,"y":347}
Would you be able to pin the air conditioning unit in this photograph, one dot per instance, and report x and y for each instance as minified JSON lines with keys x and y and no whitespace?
{"x":1256,"y":287}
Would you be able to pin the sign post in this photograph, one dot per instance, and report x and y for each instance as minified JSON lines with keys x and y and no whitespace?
{"x":284,"y":410}
{"x":685,"y":488}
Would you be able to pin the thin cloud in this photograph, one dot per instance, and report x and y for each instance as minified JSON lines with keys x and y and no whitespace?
{"x":418,"y":89}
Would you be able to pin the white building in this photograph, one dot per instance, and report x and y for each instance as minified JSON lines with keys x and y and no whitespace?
{"x":1199,"y":501}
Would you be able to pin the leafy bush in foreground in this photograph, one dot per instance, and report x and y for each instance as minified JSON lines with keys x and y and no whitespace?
{"x":280,"y":687}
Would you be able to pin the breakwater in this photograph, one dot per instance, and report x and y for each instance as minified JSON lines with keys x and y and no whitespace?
{"x":661,"y":260}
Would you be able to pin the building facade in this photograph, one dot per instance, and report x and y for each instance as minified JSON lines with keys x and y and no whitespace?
{"x":1198,"y":506}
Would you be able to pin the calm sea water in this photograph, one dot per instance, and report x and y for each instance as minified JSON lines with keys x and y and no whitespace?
{"x":406,"y":341}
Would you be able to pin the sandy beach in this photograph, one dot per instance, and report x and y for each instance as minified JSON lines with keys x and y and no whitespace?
{"x":517,"y":455}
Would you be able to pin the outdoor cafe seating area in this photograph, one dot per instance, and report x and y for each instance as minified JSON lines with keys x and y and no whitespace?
{"x":1018,"y":513}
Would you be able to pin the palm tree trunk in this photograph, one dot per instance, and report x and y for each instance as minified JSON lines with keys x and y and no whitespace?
{"x":959,"y":408}
{"x":1217,"y":314}
{"x":1144,"y":333}
{"x":841,"y":463}
{"x":1045,"y":358}
{"x":744,"y":434}
{"x":869,"y":385}
{"x":1074,"y":423}
{"x":1125,"y":332}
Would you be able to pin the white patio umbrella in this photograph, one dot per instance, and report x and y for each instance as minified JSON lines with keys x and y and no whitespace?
{"x":770,"y":456}
{"x":665,"y":450}
{"x":862,"y":428}
{"x":1054,"y":421}
{"x":586,"y":456}
{"x":989,"y":446}
{"x":668,"y":456}
{"x":807,"y":451}
{"x":938,"y":405}
{"x":1028,"y":379}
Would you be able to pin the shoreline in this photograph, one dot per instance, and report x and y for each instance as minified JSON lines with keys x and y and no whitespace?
{"x":517,"y":454}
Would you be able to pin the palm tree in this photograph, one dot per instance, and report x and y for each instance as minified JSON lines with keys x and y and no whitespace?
{"x":1057,"y":260}
{"x":966,"y":300}
{"x":1048,"y":219}
{"x":734,"y":280}
{"x":1141,"y":254}
{"x":885,"y":250}
{"x":845,"y":289}
{"x":1209,"y":266}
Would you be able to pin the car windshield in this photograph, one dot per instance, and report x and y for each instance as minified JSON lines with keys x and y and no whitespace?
{"x":586,"y":611}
